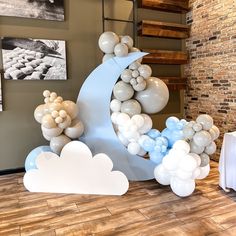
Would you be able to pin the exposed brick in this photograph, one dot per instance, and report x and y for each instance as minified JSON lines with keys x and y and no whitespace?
{"x":211,"y":88}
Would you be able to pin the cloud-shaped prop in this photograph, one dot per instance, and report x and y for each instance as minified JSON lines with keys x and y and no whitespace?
{"x":75,"y":171}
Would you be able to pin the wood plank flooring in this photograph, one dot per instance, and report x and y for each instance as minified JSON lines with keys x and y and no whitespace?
{"x":147,"y":209}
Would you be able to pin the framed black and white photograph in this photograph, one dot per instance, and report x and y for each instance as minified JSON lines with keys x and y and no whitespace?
{"x":39,"y":9}
{"x":34,"y":59}
{"x":0,"y":92}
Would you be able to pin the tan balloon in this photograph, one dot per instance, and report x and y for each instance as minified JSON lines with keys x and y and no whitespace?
{"x":39,"y":112}
{"x":55,"y":106}
{"x":71,"y":108}
{"x":75,"y":130}
{"x":48,"y":121}
{"x":155,"y":97}
{"x":66,"y":123}
{"x":57,"y":143}
{"x":51,"y":132}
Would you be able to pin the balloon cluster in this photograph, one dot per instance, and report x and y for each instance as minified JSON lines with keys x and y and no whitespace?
{"x":135,"y":95}
{"x":201,"y":135}
{"x":58,"y":120}
{"x":179,"y":169}
{"x":174,"y":130}
{"x":136,"y":74}
{"x":113,"y":45}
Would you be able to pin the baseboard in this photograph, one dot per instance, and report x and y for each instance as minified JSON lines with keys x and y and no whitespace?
{"x":12,"y":171}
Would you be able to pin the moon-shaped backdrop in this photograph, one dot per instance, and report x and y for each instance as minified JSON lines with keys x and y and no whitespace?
{"x":94,"y":111}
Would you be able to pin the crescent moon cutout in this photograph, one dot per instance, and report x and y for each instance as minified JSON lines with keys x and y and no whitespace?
{"x":94,"y":111}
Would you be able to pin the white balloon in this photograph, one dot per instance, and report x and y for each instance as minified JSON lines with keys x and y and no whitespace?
{"x":170,"y":162}
{"x":107,"y":41}
{"x":121,"y":50}
{"x":122,"y":119}
{"x":142,"y":152}
{"x":182,"y":188}
{"x":138,"y":120}
{"x":147,"y":124}
{"x":196,"y":173}
{"x":204,"y":171}
{"x":162,"y":175}
{"x":182,"y":174}
{"x":188,"y":163}
{"x":115,"y":105}
{"x":133,"y":148}
{"x":182,"y":145}
{"x":196,"y":157}
{"x":114,"y":116}
{"x":123,"y":140}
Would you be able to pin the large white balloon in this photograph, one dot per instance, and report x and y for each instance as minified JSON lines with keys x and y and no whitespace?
{"x":155,"y":97}
{"x":162,"y":175}
{"x":147,"y":125}
{"x":182,"y":188}
{"x":107,"y":42}
{"x":204,"y":172}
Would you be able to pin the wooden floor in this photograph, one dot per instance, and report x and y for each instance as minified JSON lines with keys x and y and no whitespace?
{"x":147,"y":209}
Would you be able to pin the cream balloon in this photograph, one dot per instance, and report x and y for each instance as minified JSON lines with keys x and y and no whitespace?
{"x":51,"y":132}
{"x":40,"y":111}
{"x":205,"y":120}
{"x":66,"y":123}
{"x":107,"y":41}
{"x":57,"y":143}
{"x":155,"y":97}
{"x":48,"y":121}
{"x":127,"y":40}
{"x":71,"y":108}
{"x":75,"y":130}
{"x":107,"y":56}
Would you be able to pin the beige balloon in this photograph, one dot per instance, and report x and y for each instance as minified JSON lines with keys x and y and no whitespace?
{"x":75,"y":130}
{"x":155,"y":97}
{"x":39,"y":113}
{"x":71,"y":108}
{"x":48,"y":121}
{"x":57,"y":143}
{"x":51,"y":132}
{"x":66,"y":123}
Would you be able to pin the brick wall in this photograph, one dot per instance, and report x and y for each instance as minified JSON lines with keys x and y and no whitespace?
{"x":211,"y":71}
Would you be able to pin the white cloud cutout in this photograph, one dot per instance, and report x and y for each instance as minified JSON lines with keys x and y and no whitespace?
{"x":75,"y":171}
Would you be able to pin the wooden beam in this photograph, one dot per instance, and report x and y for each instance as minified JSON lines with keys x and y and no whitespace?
{"x":178,"y":6}
{"x":163,"y":29}
{"x":165,"y":57}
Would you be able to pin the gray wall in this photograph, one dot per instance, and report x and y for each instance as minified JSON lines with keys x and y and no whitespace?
{"x":19,"y":132}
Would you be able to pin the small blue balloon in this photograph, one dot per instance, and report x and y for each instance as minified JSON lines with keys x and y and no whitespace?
{"x":154,"y":133}
{"x":30,"y":159}
{"x":171,"y":122}
{"x":156,"y":157}
{"x":148,"y":145}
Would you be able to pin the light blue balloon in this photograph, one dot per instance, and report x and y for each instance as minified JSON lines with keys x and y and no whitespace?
{"x":179,"y":125}
{"x":30,"y":159}
{"x":154,"y":133}
{"x":171,"y":122}
{"x":148,"y":145}
{"x":156,"y":157}
{"x":175,"y":136}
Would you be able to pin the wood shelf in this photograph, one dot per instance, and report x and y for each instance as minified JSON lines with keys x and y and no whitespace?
{"x":174,"y":83}
{"x":177,"y":6}
{"x":165,"y":57}
{"x":163,"y":29}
